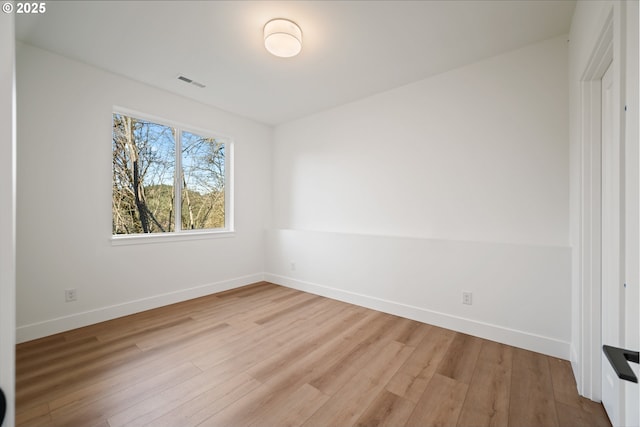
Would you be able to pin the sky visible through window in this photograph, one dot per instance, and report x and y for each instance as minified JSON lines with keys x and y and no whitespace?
{"x":144,"y":173}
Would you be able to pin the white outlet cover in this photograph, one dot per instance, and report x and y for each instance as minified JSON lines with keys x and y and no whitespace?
{"x":70,"y":295}
{"x":467,"y":298}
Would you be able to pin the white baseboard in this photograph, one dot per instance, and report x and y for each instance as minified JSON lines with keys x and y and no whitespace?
{"x":575,"y":367}
{"x":90,"y":317}
{"x":516,"y":338}
{"x":533,"y":342}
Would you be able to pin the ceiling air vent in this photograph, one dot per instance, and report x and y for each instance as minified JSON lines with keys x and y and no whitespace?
{"x":190,"y":81}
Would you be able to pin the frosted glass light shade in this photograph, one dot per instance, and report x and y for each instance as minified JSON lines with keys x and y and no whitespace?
{"x":282,"y":38}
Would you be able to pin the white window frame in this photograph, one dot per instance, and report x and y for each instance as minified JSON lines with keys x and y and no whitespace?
{"x":179,"y":234}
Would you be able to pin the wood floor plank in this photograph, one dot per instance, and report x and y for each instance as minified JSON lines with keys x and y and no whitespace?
{"x":158,"y":404}
{"x":178,"y":335}
{"x":564,"y":384}
{"x":287,"y":310}
{"x":127,"y":324}
{"x":252,"y":407}
{"x":461,"y":357}
{"x":386,"y":410}
{"x":487,"y":400}
{"x":269,"y":355}
{"x":35,"y":415}
{"x":150,"y":363}
{"x":119,"y":380}
{"x":440,"y":404}
{"x":32,"y":361}
{"x":39,"y":346}
{"x":296,"y":350}
{"x":570,"y":415}
{"x":294,"y":411}
{"x":231,"y":310}
{"x":362,"y":389}
{"x":32,"y":390}
{"x":532,"y":400}
{"x":317,"y":362}
{"x":285,"y":384}
{"x":248,"y":290}
{"x":375,"y":337}
{"x":96,"y":411}
{"x":209,"y":403}
{"x":101,"y":352}
{"x":250,"y":312}
{"x":413,"y":333}
{"x":385,"y":362}
{"x":148,"y":330}
{"x":569,"y":403}
{"x":252,"y":348}
{"x":412,"y":378}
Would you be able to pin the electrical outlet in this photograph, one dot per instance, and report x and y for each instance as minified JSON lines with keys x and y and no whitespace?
{"x":467,"y":298}
{"x":70,"y":295}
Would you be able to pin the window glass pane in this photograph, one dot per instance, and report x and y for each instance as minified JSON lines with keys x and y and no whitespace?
{"x":203,"y":182}
{"x":143,"y":176}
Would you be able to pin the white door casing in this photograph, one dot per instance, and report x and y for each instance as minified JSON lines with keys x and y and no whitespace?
{"x":631,"y":158}
{"x":612,"y":312}
{"x":609,"y":214}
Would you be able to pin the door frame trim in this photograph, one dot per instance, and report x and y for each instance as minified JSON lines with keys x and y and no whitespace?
{"x":589,"y":357}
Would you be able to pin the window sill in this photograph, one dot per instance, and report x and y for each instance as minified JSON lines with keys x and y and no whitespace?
{"x":143,"y":239}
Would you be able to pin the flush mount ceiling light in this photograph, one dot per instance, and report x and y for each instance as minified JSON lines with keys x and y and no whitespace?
{"x":282,"y":38}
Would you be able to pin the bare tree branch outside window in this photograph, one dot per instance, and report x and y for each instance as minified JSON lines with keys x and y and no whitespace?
{"x":144,"y":173}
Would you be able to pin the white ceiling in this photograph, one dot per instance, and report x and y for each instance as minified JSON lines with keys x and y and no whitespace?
{"x":352,"y":49}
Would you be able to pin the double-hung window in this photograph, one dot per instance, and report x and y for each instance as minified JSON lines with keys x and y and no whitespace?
{"x":168,"y":179}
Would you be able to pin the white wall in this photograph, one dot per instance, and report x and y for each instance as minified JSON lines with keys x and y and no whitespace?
{"x":473,"y":163}
{"x":7,"y":214}
{"x":478,"y":153}
{"x":64,"y":201}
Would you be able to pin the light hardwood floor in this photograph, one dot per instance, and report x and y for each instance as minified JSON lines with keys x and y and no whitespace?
{"x":266,"y":355}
